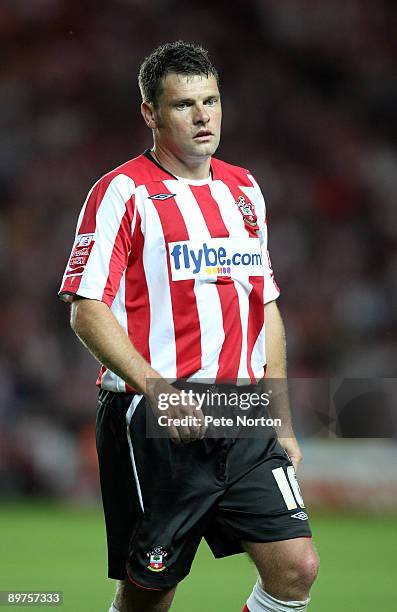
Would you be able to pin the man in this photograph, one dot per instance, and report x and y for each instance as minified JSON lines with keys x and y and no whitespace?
{"x":169,"y":279}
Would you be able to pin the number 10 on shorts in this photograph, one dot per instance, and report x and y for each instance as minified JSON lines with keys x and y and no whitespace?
{"x":289,"y":490}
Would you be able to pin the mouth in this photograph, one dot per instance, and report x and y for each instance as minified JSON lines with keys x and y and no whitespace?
{"x":202,"y":134}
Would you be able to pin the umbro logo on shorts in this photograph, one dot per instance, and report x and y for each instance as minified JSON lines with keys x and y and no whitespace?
{"x":302,"y":516}
{"x":162,"y":196}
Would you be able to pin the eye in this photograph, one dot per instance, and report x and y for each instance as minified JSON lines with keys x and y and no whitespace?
{"x":182,"y":105}
{"x":211,"y":101}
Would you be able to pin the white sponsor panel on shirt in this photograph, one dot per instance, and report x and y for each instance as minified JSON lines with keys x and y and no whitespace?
{"x":206,"y":259}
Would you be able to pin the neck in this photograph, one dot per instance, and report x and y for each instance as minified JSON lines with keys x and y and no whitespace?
{"x":195,"y":169}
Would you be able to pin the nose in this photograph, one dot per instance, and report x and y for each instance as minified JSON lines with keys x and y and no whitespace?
{"x":201,"y":114}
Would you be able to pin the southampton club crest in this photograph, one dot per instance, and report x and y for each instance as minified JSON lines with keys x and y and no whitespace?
{"x":248,"y":211}
{"x":156,"y":559}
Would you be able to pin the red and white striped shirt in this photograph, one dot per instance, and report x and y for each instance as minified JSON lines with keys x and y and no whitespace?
{"x":182,"y":264}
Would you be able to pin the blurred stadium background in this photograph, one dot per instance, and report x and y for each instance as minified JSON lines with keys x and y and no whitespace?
{"x":310,"y":97}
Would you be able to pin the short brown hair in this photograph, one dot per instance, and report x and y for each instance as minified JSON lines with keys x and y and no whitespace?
{"x":177,"y":57}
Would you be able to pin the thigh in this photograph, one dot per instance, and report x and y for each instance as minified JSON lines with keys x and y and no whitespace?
{"x":158,"y":496}
{"x":179,"y":491}
{"x":263,"y":502}
{"x":120,"y":495}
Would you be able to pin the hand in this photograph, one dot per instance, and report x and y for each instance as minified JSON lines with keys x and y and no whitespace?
{"x":292,"y":448}
{"x":180,"y":407}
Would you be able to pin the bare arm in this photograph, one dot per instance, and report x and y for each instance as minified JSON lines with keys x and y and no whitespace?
{"x":276,"y":355}
{"x":98,"y":329}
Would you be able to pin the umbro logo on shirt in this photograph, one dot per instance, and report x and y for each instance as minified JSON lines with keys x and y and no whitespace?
{"x":162,"y":196}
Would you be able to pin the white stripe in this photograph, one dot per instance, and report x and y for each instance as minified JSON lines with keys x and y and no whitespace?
{"x":128,"y":417}
{"x":232,"y":217}
{"x":258,"y":357}
{"x":211,"y":325}
{"x":285,"y":488}
{"x":162,"y":345}
{"x":207,"y":297}
{"x":109,"y":216}
{"x":189,"y":209}
{"x":243,"y":288}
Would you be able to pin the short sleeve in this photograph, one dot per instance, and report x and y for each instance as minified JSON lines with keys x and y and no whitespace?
{"x":102,"y":241}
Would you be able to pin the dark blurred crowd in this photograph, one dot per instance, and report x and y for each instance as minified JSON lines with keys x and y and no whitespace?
{"x":309,"y":96}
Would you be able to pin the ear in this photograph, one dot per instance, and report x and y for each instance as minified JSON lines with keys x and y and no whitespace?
{"x":149,"y":115}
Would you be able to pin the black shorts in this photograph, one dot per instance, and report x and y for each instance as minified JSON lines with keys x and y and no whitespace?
{"x":160,"y":499}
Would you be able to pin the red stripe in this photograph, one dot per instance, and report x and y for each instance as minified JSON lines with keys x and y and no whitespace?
{"x":245,"y":609}
{"x":256,"y":316}
{"x":229,"y":358}
{"x":119,"y":257}
{"x":210,"y":210}
{"x":138,"y":304}
{"x":183,"y":299}
{"x":88,"y":222}
{"x":100,"y":376}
